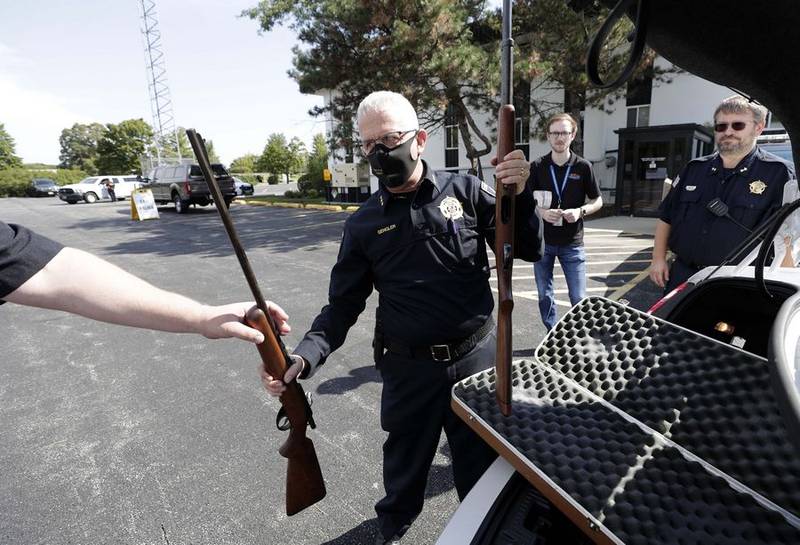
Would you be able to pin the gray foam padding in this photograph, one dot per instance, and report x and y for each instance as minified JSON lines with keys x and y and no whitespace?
{"x":653,"y":433}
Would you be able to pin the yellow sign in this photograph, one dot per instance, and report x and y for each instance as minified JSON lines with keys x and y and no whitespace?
{"x":326,"y":175}
{"x":143,"y":206}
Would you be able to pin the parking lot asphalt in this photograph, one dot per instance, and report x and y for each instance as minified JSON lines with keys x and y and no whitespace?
{"x":117,"y":435}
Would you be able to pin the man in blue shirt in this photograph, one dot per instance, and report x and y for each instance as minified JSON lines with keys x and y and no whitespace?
{"x":745,"y":177}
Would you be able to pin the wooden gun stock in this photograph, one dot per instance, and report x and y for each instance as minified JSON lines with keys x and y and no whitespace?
{"x":304,"y":483}
{"x":504,"y":222}
{"x":504,"y":257}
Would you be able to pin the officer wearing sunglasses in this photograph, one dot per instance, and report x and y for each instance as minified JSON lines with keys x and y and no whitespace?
{"x":745,"y":177}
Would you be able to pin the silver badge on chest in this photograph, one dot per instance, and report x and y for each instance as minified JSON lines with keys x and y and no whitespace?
{"x":451,"y":208}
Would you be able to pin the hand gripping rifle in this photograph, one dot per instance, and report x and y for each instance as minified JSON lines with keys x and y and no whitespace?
{"x":304,"y":483}
{"x":504,"y":220}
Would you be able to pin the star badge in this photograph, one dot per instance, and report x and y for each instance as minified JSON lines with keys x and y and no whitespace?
{"x":757,"y":187}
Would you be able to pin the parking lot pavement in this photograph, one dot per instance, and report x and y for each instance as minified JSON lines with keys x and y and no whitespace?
{"x":127,"y":436}
{"x":617,"y":262}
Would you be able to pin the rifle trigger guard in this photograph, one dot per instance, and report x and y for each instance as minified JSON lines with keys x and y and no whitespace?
{"x":282,"y":421}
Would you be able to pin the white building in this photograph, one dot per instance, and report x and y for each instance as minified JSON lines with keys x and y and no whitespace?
{"x":633,"y":145}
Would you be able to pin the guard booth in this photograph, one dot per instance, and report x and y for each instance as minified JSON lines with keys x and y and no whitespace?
{"x":649,"y":155}
{"x":349,"y":183}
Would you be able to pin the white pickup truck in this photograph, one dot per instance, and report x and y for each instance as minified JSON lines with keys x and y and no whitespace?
{"x":93,"y":189}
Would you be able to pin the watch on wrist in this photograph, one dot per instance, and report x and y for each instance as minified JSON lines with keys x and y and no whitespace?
{"x":583,"y":212}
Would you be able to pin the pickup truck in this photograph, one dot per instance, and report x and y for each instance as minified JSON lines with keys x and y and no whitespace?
{"x":92,"y":189}
{"x":184,"y":185}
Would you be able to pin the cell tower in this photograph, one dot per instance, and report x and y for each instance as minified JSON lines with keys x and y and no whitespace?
{"x":160,"y":101}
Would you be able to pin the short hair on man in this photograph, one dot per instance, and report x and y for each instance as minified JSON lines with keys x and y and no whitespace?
{"x":563,"y":117}
{"x":381,"y":101}
{"x":738,"y":104}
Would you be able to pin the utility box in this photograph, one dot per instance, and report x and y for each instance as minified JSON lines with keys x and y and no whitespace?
{"x":349,"y":183}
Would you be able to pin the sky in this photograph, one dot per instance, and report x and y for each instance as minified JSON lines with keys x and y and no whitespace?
{"x":83,"y":61}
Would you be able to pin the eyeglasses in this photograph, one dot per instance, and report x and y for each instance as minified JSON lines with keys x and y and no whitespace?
{"x":390,"y":140}
{"x":559,"y":134}
{"x":736,"y":125}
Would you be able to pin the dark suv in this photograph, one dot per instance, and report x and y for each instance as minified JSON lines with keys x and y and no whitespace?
{"x":184,"y":185}
{"x":42,"y":187}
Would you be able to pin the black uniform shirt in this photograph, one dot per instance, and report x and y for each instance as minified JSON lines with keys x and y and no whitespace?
{"x":23,"y":253}
{"x":580,"y":184}
{"x":431,"y":272}
{"x":753,"y":190}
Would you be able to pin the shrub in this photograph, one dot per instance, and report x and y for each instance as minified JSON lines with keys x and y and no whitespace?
{"x":14,"y":181}
{"x":312,"y":193}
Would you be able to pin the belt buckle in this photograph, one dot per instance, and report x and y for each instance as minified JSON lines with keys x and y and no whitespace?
{"x":440,"y":353}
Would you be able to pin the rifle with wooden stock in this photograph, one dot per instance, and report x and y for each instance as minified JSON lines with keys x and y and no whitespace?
{"x":304,"y":483}
{"x":504,"y":220}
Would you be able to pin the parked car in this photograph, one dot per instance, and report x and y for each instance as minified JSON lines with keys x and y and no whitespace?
{"x":731,"y":330}
{"x":242,"y":188}
{"x":42,"y":187}
{"x":184,"y":185}
{"x":93,"y":189}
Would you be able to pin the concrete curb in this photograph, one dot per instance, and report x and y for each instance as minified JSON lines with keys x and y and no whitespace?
{"x":312,"y":206}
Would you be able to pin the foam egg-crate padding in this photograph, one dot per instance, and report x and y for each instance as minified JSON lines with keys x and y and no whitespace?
{"x":654,"y":433}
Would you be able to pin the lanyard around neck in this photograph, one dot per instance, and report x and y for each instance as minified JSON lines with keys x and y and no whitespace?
{"x":560,"y":190}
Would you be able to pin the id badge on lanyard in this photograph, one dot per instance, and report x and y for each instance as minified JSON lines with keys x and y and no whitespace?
{"x":559,"y":190}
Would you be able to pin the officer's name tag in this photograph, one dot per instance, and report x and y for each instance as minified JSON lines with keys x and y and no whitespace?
{"x":691,"y":187}
{"x":383,"y":230}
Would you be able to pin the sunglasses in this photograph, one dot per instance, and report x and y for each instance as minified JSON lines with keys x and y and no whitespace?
{"x":736,"y":125}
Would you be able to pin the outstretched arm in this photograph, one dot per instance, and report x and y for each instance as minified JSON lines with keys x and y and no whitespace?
{"x":80,"y":283}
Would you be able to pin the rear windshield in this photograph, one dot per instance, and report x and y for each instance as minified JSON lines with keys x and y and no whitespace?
{"x":217,"y":168}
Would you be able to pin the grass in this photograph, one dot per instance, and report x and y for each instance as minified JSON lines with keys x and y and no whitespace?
{"x":301,"y":202}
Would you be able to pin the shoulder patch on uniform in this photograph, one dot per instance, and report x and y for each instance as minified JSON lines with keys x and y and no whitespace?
{"x":488,"y":189}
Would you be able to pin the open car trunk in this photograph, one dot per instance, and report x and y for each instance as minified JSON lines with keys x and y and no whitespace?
{"x":635,"y":430}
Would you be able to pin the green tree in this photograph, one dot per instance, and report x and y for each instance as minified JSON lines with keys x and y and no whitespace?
{"x":8,"y":150}
{"x":296,"y":157}
{"x":121,"y":146}
{"x":554,"y":38}
{"x":316,"y":163}
{"x":244,"y":164}
{"x":169,"y":149}
{"x":79,"y":146}
{"x":437,"y":53}
{"x":274,"y":159}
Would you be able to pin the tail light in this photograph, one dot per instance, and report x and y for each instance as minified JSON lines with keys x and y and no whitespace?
{"x":661,"y":302}
{"x":187,"y":187}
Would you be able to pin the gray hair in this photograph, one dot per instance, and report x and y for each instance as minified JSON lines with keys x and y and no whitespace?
{"x":389,"y":102}
{"x":737,"y":104}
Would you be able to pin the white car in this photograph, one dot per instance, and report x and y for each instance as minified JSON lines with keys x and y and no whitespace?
{"x":93,"y":189}
{"x":242,"y":188}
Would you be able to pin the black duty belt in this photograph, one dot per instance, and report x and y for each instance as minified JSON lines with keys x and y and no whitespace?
{"x":443,"y":353}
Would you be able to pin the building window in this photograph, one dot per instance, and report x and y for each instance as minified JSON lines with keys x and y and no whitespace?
{"x":638,"y":97}
{"x":450,"y":137}
{"x":638,"y":116}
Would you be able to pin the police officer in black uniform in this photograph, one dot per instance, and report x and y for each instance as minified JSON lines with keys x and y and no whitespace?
{"x":40,"y":272}
{"x":420,"y":241}
{"x":745,"y":177}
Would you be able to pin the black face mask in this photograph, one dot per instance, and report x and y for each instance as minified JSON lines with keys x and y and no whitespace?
{"x":393,"y":167}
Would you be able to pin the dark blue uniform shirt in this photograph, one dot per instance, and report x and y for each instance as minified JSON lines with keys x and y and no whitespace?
{"x":752,"y":190}
{"x":425,"y":254}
